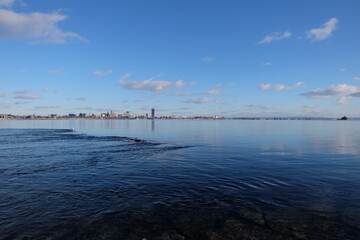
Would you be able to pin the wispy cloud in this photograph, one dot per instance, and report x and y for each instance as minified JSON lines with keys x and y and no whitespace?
{"x":279,"y":87}
{"x":22,"y":91}
{"x":207,"y":59}
{"x":266,"y":63}
{"x":323,"y":32}
{"x":102,"y":73}
{"x":356,"y":79}
{"x":357,"y":94}
{"x":84,"y":108}
{"x":151,"y":85}
{"x":333,"y":90}
{"x":342,"y":70}
{"x":210,"y":92}
{"x":259,"y":106}
{"x":46,"y":107}
{"x":28,"y":96}
{"x":81,"y":99}
{"x":39,"y":27}
{"x":201,"y":100}
{"x":309,"y":106}
{"x":2,"y":94}
{"x":344,"y":100}
{"x":184,"y":94}
{"x":275,"y":36}
{"x":55,"y":71}
{"x":6,"y":3}
{"x":214,"y":91}
{"x":50,"y":90}
{"x":125,"y":76}
{"x":25,"y":94}
{"x":20,"y":103}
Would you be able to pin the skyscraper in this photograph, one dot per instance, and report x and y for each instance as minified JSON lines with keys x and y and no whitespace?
{"x":153,"y":113}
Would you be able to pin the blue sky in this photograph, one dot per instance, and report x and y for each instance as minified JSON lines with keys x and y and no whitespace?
{"x":227,"y":58}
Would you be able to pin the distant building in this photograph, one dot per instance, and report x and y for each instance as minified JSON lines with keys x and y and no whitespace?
{"x":112,"y":114}
{"x":71,"y":115}
{"x":153,"y":113}
{"x":103,"y":115}
{"x":82,"y":115}
{"x":53,"y":115}
{"x":126,"y":115}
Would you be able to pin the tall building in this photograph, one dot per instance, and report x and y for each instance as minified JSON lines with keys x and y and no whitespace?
{"x":153,"y":113}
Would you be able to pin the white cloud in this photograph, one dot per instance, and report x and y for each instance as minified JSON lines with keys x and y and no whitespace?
{"x":55,"y":71}
{"x":151,"y":85}
{"x":18,"y":103}
{"x":46,"y":90}
{"x":182,"y":94}
{"x":81,"y":99}
{"x":309,"y":106}
{"x":356,"y":79}
{"x":344,"y":100}
{"x":259,"y":106}
{"x":214,"y":91}
{"x":6,"y":3}
{"x":267,"y":63}
{"x":275,"y":36}
{"x":2,"y":94}
{"x":28,"y":96}
{"x":342,"y":70}
{"x":279,"y":87}
{"x":333,"y":90}
{"x":208,"y":59}
{"x":201,"y":100}
{"x":125,"y":76}
{"x":40,"y":27}
{"x":210,"y":92}
{"x":324,"y":32}
{"x":22,"y":91}
{"x":46,"y":107}
{"x":102,"y":73}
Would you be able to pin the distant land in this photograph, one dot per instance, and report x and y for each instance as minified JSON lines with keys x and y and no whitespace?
{"x":128,"y":116}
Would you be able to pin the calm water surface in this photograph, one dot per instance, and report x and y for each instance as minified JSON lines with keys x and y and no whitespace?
{"x":186,"y":180}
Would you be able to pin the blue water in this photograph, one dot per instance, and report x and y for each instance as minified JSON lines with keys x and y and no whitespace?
{"x":187,"y":180}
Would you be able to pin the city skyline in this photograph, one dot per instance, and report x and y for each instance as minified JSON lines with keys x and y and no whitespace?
{"x":233,"y":59}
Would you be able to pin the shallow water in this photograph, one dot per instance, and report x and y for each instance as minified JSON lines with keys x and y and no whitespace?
{"x":186,"y":180}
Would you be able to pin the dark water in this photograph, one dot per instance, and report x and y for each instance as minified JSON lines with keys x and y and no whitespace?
{"x":186,"y":180}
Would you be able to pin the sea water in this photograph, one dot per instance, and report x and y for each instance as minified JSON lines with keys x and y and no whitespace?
{"x":186,"y":179}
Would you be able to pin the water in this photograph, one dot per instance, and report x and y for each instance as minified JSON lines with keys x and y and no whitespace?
{"x":186,"y":180}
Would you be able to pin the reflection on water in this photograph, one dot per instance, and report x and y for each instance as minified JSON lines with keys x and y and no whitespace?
{"x":187,"y":180}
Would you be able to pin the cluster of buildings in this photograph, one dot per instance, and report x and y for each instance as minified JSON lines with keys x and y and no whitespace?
{"x":107,"y":115}
{"x":128,"y":115}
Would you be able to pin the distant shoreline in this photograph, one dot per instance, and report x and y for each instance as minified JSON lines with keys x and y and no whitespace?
{"x":189,"y":118}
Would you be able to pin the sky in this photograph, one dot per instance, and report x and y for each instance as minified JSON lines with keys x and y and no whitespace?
{"x":249,"y":58}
